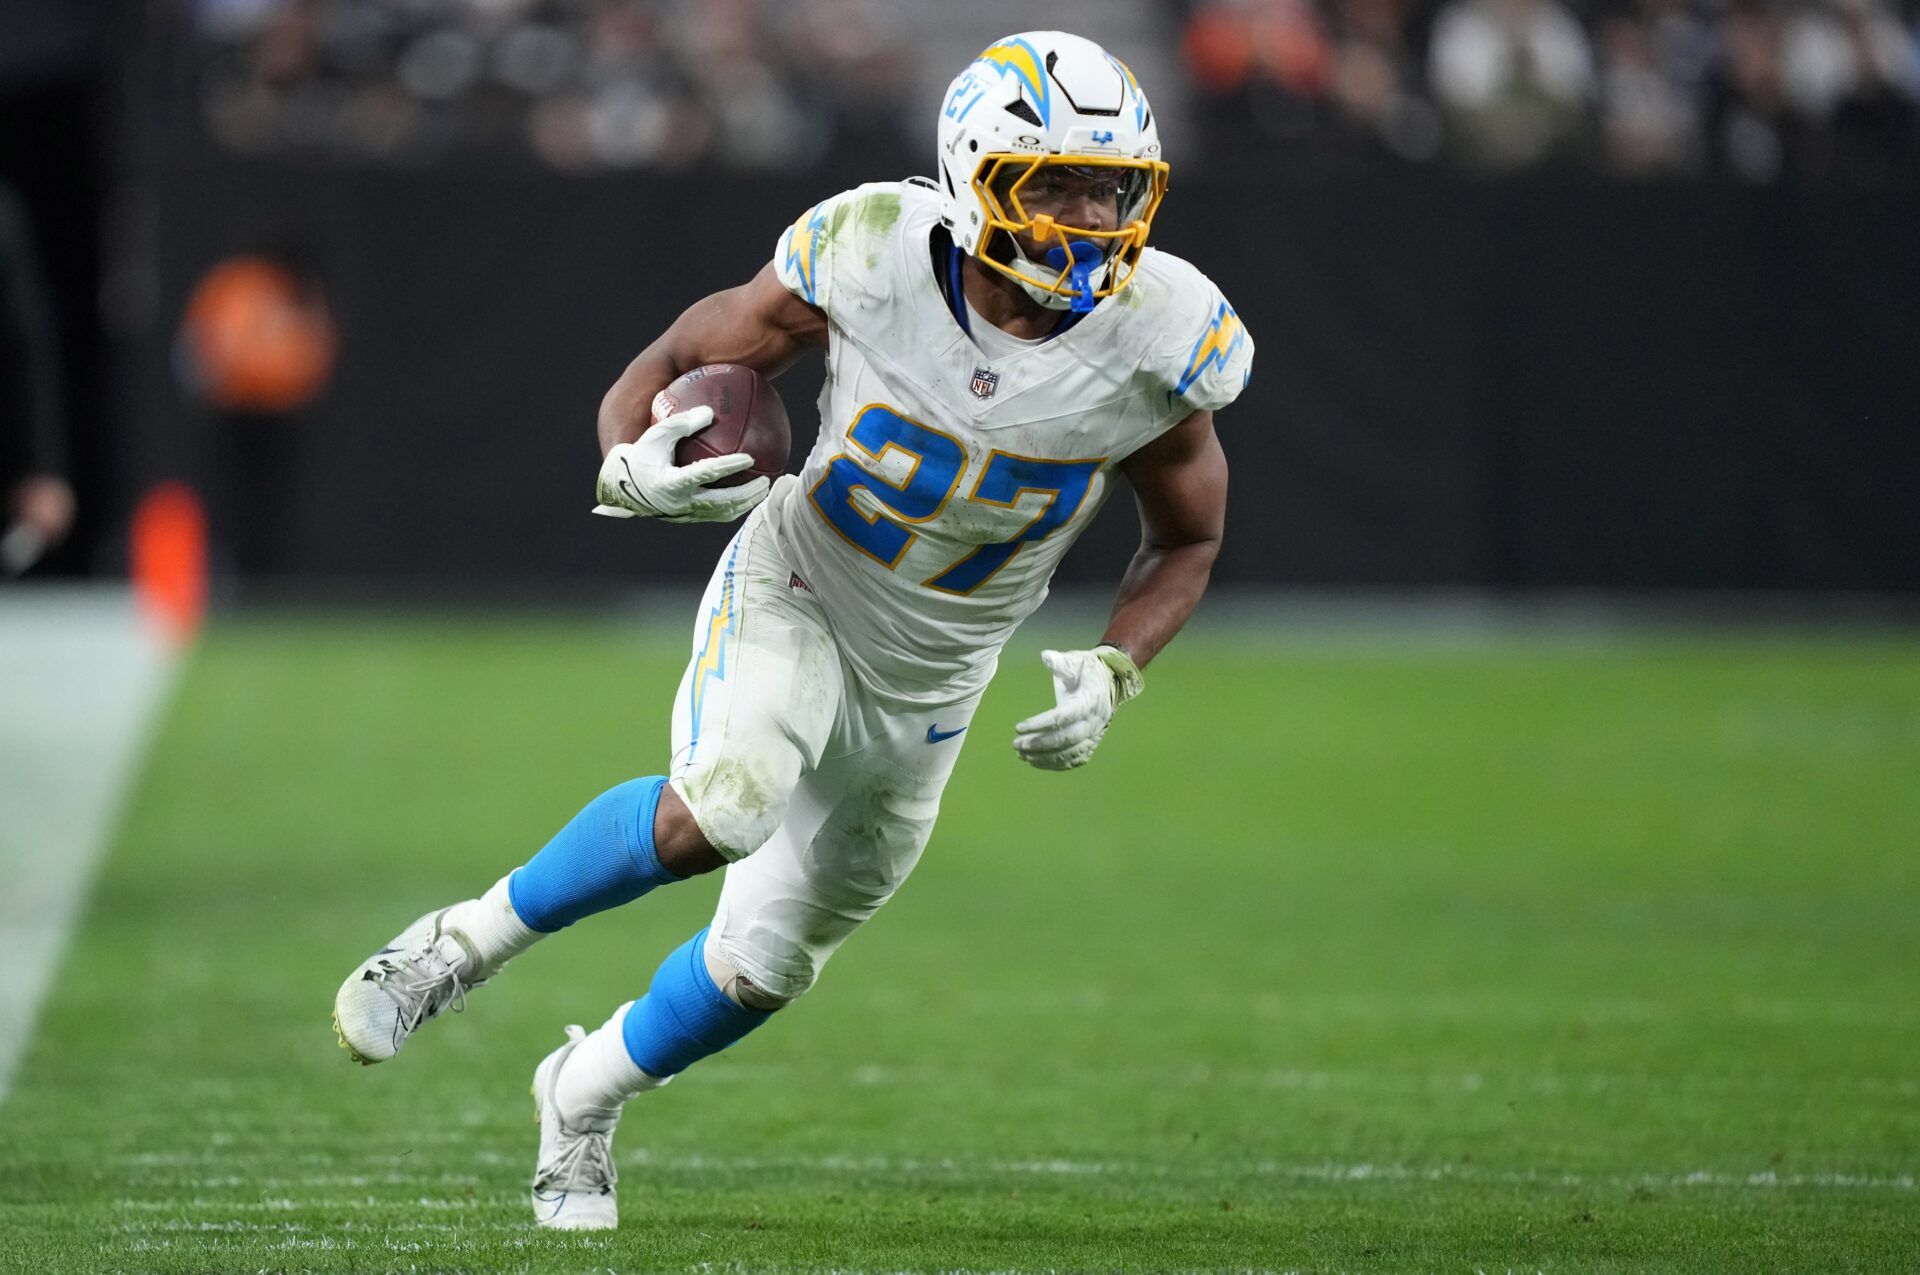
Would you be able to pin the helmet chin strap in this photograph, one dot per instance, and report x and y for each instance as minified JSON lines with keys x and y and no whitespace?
{"x":1079,"y":269}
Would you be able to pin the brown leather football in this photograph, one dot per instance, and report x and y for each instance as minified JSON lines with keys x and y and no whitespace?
{"x":748,"y":416}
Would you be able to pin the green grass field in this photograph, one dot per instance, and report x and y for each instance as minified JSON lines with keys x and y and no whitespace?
{"x":1564,"y":958}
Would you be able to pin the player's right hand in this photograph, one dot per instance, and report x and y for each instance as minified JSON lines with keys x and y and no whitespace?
{"x":640,"y":480}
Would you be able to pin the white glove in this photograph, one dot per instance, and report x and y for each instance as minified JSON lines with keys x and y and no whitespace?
{"x":640,"y":480}
{"x":1088,"y":686}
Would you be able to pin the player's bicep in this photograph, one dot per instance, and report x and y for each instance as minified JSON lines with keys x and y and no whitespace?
{"x":1180,"y":484}
{"x":759,"y":324}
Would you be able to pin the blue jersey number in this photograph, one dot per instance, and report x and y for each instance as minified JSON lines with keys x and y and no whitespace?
{"x":1005,"y":479}
{"x":934,"y":472}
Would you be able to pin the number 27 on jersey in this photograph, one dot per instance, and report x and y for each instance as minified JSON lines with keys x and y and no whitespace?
{"x":937,"y":463}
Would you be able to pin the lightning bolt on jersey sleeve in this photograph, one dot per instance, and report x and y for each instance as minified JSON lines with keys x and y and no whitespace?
{"x":1206,"y":356}
{"x":827,"y":256}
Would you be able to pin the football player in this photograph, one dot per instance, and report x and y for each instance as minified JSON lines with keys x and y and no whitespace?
{"x":1001,"y":346}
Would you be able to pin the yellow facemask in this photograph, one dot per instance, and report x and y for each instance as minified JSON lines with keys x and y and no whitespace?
{"x":1119,"y":248}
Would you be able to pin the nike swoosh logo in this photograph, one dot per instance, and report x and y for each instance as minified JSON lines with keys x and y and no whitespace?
{"x":628,"y":486}
{"x":935,"y":734}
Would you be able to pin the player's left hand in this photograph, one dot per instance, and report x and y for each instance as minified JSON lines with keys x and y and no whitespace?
{"x":1088,"y":686}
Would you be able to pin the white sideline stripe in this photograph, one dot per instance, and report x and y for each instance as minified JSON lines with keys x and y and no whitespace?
{"x":80,"y":678}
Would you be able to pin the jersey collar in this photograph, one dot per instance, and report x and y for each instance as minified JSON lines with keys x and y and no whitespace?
{"x":951,"y":286}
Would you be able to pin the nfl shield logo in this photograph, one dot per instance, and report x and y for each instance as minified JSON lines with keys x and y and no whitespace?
{"x":984,"y":383}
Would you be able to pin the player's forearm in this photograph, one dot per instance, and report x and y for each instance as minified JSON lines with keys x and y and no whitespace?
{"x":1162,"y":586}
{"x":627,"y":408}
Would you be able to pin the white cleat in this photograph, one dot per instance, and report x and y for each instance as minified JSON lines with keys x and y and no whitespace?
{"x":410,"y":980}
{"x":573,"y":1187}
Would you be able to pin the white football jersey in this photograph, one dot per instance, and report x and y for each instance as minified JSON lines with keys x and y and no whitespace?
{"x":945,"y":485}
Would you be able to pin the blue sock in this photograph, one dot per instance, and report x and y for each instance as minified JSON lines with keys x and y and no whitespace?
{"x":603,"y":858}
{"x":684,"y":1016}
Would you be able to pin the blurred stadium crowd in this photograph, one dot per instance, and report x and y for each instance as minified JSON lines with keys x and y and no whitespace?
{"x":1761,"y":90}
{"x":580,"y":84}
{"x":1756,"y":89}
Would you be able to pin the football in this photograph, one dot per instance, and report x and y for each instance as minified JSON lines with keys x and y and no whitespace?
{"x":748,"y":416}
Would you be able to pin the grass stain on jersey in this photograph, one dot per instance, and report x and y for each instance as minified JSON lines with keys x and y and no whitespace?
{"x":861,"y":225}
{"x":735,"y":791}
{"x":878,"y":212}
{"x":868,"y":219}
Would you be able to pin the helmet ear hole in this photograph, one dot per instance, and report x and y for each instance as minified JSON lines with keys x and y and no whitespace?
{"x":973,"y":143}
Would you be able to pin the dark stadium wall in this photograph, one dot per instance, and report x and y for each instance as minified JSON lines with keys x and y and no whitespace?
{"x":1549,"y":382}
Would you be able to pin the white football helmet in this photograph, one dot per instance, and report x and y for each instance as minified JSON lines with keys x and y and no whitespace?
{"x":1046,"y":99}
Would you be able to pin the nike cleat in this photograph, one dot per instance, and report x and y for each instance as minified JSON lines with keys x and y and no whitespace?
{"x":412,"y":979}
{"x":573,"y":1185}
